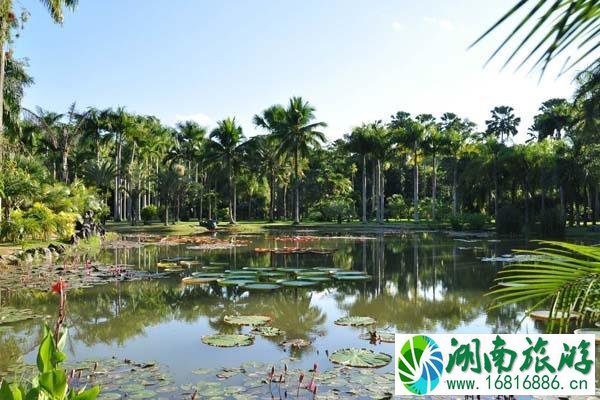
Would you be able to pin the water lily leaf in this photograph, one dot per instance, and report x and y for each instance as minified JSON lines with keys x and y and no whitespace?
{"x":305,"y":273}
{"x":267,"y":331}
{"x":355,"y":321}
{"x":318,"y":279}
{"x":235,"y":282}
{"x":544,"y":315}
{"x":221,"y":340}
{"x":9,"y":315}
{"x":380,"y":336}
{"x":295,"y":343}
{"x":260,"y":286}
{"x":207,"y":275}
{"x":360,"y":358}
{"x":290,"y":270}
{"x":349,"y":273}
{"x":247,"y":319}
{"x":352,"y":277}
{"x":297,"y":283}
{"x":192,"y":280}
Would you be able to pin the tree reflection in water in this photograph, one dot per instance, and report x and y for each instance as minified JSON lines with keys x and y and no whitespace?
{"x":421,"y":282}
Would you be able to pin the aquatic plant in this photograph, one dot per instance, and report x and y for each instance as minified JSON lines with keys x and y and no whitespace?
{"x":52,"y":382}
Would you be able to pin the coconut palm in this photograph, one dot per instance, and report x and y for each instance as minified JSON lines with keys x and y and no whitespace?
{"x":9,"y":21}
{"x":360,"y":141}
{"x":435,"y":145}
{"x":297,"y":134}
{"x":225,"y":145}
{"x":101,"y":175}
{"x":502,"y":123}
{"x":409,"y":134}
{"x":61,"y":136}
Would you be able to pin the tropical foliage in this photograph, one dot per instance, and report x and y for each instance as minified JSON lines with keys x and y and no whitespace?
{"x":562,"y":276}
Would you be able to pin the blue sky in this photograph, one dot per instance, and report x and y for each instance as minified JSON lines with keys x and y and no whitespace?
{"x":353,"y":60}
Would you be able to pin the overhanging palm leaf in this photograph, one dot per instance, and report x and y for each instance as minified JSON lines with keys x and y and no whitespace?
{"x":566,"y":276}
{"x":561,"y":25}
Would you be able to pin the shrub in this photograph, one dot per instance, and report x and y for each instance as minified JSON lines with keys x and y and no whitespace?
{"x":396,"y":207}
{"x":509,"y":221}
{"x":552,"y":223}
{"x":335,"y":209}
{"x":149,"y":213}
{"x":65,"y":224}
{"x":474,"y":221}
{"x":456,"y":221}
{"x":39,"y":222}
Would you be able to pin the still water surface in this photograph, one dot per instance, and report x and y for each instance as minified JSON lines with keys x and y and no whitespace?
{"x":422,"y":282}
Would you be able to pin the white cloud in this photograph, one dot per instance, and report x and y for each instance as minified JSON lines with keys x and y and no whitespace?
{"x":201,"y":119}
{"x":397,"y":26}
{"x":442,"y":23}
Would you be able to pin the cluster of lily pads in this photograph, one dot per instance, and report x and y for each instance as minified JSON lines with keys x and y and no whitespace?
{"x":351,"y":357}
{"x":11,"y":315}
{"x":252,"y":380}
{"x":76,"y":275}
{"x":265,"y":279}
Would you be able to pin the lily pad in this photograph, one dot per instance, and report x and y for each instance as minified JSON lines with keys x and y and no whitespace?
{"x":297,"y":283}
{"x":360,"y":358}
{"x":290,"y":270}
{"x":251,"y":320}
{"x":192,"y":280}
{"x":235,"y":282}
{"x":307,"y":274}
{"x":355,"y":321}
{"x":267,"y":331}
{"x":295,"y":343}
{"x":385,"y":337}
{"x":353,"y":277}
{"x":9,"y":315}
{"x":544,"y":315}
{"x":260,"y":286}
{"x":207,"y":275}
{"x":318,"y":279}
{"x":220,"y":340}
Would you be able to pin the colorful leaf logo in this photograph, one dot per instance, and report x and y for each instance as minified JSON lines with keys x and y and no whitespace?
{"x":420,"y":364}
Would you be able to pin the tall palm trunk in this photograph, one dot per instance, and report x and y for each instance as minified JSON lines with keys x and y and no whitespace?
{"x":379,"y":218}
{"x":433,"y":188}
{"x":381,"y":196}
{"x":65,"y":165}
{"x":231,"y":196}
{"x":272,"y":197}
{"x":455,"y":188}
{"x":296,"y":187}
{"x":364,"y":189}
{"x":117,"y":199}
{"x":415,"y":185}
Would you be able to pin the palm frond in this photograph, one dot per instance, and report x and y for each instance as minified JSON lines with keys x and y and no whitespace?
{"x":564,"y":276}
{"x":560,"y":25}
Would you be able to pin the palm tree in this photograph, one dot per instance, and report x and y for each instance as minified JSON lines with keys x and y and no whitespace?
{"x":360,"y":141}
{"x":297,"y":134}
{"x":559,"y":25}
{"x":410,"y":134}
{"x":101,"y":175}
{"x":225,"y":144}
{"x":435,"y":144}
{"x":455,"y":131}
{"x":8,"y":21}
{"x":502,"y":123}
{"x":61,"y":136}
{"x":261,"y":154}
{"x":555,"y":116}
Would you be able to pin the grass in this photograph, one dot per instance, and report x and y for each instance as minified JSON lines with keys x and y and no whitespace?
{"x":158,"y":228}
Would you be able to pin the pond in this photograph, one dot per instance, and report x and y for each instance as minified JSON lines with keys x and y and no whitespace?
{"x":421,"y":282}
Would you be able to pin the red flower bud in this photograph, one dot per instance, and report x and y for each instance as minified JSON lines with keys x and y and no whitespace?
{"x":301,"y":377}
{"x":59,"y":286}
